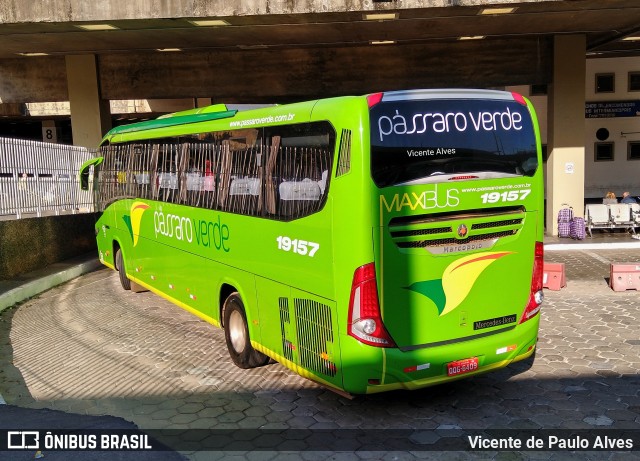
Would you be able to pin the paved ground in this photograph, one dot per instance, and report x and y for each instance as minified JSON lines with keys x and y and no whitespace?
{"x":88,"y":347}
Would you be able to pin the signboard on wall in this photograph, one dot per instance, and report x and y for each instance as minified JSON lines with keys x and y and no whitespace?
{"x":49,"y":134}
{"x":609,"y":109}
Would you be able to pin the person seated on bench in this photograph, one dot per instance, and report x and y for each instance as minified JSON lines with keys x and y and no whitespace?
{"x":627,"y":198}
{"x":610,"y":199}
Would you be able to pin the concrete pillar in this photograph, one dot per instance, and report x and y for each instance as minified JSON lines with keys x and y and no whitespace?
{"x":90,"y":115}
{"x":566,"y":125}
{"x":202,"y":102}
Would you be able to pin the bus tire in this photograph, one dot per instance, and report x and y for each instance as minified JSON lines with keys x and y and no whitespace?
{"x":236,"y":334}
{"x":124,"y":281}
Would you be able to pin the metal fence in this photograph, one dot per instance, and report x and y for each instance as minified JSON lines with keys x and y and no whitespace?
{"x":41,"y":179}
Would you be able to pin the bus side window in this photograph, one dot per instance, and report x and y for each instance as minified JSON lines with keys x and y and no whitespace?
{"x":154,"y":188}
{"x":300,"y":172}
{"x":270,"y":198}
{"x":298,"y":197}
{"x":235,"y":171}
{"x":243,"y":195}
{"x":245,"y":182}
{"x":211,"y":176}
{"x":299,"y":190}
{"x":284,"y":178}
{"x":183,"y":161}
{"x":322,"y":184}
{"x":108,"y":173}
{"x":225,"y":176}
{"x":168,"y":172}
{"x":139,"y":170}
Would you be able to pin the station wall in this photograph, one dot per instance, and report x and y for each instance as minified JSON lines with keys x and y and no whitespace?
{"x":613,"y":122}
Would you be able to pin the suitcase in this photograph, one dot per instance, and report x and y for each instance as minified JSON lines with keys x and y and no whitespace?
{"x":564,"y":229}
{"x":565,"y":215}
{"x":577,"y":229}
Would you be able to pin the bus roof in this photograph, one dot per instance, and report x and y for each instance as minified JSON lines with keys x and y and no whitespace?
{"x":177,"y":118}
{"x":204,"y":114}
{"x":255,"y":113}
{"x":446,"y":93}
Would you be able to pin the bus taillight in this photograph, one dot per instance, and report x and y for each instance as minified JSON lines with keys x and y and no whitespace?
{"x":517,"y":97}
{"x":535,"y":296}
{"x":365,"y":321}
{"x":374,"y":99}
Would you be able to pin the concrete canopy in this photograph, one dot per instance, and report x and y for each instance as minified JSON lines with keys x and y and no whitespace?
{"x":278,"y":51}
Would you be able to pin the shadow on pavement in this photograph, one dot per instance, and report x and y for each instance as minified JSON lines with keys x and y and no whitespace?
{"x":15,"y":418}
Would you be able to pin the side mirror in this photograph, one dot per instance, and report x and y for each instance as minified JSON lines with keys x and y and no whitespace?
{"x":84,"y":171}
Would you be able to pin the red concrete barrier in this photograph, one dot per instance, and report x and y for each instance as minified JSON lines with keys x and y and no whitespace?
{"x":553,"y":276}
{"x":625,"y":276}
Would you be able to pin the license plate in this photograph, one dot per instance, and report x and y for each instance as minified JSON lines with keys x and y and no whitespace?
{"x":460,"y":367}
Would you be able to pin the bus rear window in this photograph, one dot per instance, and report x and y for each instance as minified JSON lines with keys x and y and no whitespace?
{"x":426,"y":141}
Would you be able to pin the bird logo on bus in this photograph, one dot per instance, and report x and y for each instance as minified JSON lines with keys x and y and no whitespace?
{"x":458,"y":278}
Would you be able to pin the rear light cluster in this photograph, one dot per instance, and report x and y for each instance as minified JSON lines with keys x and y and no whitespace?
{"x":374,"y":99}
{"x":365,"y":321}
{"x":517,"y":97}
{"x":535,"y":296}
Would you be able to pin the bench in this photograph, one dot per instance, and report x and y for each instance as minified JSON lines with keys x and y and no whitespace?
{"x":614,"y":216}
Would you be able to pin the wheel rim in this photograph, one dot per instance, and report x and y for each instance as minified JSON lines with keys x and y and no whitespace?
{"x":237,"y":332}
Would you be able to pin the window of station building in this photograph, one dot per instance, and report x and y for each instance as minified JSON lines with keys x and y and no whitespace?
{"x":633,"y":150}
{"x":634,"y":81}
{"x":603,"y":151}
{"x":538,"y":90}
{"x":605,"y":83}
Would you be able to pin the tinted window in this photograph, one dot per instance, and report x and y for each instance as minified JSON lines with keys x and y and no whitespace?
{"x":297,"y":169}
{"x":425,"y":141}
{"x":280,"y":172}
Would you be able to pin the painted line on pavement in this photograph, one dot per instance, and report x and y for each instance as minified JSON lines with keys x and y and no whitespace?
{"x":598,"y":257}
{"x":592,"y":246}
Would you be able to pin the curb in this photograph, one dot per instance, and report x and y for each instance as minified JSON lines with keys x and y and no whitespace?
{"x":37,"y":286}
{"x":632,"y":245}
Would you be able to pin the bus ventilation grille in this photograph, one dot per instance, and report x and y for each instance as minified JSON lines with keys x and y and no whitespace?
{"x":344,"y":156}
{"x":315,"y":336}
{"x":285,"y":320}
{"x":455,"y":241}
{"x":441,"y":230}
{"x":490,"y":225}
{"x":411,"y":233}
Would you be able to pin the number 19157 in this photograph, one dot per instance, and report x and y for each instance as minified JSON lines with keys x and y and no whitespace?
{"x":511,"y":196}
{"x":302,"y":247}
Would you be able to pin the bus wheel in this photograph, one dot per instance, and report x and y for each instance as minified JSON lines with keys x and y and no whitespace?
{"x":236,"y":333}
{"x":124,"y":281}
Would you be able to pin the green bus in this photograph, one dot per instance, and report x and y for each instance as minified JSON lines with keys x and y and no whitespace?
{"x":369,"y":243}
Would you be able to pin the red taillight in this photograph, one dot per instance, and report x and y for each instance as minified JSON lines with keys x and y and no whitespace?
{"x":365,"y":321}
{"x":374,"y":99}
{"x":535,"y":295}
{"x":519,"y":98}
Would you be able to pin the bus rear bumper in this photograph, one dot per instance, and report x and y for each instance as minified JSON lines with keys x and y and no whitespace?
{"x":435,"y":365}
